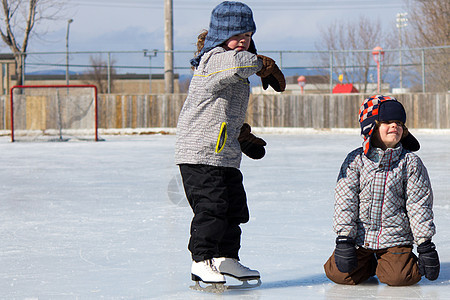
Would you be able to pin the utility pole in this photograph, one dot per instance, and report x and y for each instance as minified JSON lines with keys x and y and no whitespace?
{"x":168,"y":46}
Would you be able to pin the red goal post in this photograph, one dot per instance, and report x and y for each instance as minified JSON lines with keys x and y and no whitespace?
{"x":54,"y":112}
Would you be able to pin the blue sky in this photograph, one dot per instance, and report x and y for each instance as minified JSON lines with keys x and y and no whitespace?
{"x":134,"y":25}
{"x":137,"y":24}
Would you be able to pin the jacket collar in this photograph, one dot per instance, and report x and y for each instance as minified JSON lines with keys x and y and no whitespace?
{"x":379,"y":155}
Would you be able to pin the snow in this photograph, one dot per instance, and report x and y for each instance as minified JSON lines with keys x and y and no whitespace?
{"x":109,"y":219}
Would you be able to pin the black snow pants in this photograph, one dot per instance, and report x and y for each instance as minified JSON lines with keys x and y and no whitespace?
{"x":219,"y":203}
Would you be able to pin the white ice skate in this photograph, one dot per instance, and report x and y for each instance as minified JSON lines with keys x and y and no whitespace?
{"x":232,"y":267}
{"x":207,"y":272}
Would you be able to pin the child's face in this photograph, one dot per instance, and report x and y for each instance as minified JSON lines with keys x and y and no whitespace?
{"x":239,"y":42}
{"x":388,"y":134}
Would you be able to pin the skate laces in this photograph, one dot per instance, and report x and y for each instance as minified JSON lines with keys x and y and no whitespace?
{"x":210,"y":266}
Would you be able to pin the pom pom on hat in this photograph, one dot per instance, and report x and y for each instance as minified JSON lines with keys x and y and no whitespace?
{"x":383,"y":108}
{"x":229,"y":18}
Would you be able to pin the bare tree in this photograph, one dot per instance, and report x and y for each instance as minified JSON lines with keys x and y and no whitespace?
{"x":430,"y":27}
{"x":350,"y":42}
{"x":97,"y":74}
{"x":18,"y":18}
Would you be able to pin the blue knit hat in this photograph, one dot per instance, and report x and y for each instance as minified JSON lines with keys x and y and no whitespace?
{"x":383,"y":108}
{"x":229,"y":18}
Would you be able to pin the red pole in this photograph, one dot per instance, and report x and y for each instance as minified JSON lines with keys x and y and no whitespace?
{"x":11,"y":106}
{"x":378,"y":73}
{"x":301,"y":82}
{"x":54,"y":86}
{"x":378,"y":54}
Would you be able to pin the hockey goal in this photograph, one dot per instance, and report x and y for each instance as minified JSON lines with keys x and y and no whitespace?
{"x":54,"y":112}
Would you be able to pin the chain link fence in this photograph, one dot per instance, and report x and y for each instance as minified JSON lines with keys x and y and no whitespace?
{"x":407,"y":70}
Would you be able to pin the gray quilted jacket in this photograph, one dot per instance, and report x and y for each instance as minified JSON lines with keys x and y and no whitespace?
{"x":214,"y":111}
{"x":384,"y":199}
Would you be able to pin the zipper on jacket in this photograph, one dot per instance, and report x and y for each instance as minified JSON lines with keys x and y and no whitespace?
{"x":222,"y":138}
{"x":384,"y":197}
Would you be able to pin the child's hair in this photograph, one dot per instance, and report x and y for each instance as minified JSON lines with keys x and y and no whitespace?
{"x":200,"y":43}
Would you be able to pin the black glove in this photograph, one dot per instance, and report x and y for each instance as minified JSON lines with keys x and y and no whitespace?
{"x":251,"y":145}
{"x":276,"y":80}
{"x":271,"y":75}
{"x":268,"y":66}
{"x":345,"y":254}
{"x":428,"y":260}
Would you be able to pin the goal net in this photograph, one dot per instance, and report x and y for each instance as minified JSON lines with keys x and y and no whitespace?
{"x":54,"y":113}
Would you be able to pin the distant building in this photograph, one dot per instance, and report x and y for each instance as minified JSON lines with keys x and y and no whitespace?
{"x":7,"y":69}
{"x":120,"y":83}
{"x":344,"y":88}
{"x":316,"y":84}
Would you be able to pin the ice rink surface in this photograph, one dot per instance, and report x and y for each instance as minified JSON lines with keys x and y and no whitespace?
{"x":108,"y":220}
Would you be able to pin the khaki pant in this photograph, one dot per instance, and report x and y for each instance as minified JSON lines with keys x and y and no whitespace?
{"x":396,"y":266}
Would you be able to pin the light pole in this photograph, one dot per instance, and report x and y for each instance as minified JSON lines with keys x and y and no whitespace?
{"x":67,"y":50}
{"x":378,"y":55}
{"x":301,"y":80}
{"x":401,"y":22}
{"x":146,"y":54}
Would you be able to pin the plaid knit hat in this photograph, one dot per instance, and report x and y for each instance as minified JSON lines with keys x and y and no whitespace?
{"x":383,"y":108}
{"x":229,"y":18}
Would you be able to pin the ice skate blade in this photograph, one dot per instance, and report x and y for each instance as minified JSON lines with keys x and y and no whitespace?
{"x":245,"y":284}
{"x":216,"y":288}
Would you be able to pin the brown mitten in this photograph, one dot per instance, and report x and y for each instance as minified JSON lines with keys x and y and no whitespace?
{"x":276,"y":80}
{"x":268,"y":66}
{"x":251,"y":145}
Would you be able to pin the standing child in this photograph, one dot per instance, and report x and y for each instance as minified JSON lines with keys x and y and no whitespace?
{"x":383,"y":204}
{"x":211,"y":137}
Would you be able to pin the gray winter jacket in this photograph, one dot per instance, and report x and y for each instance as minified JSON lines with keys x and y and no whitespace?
{"x":214,"y":111}
{"x":384,"y":199}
